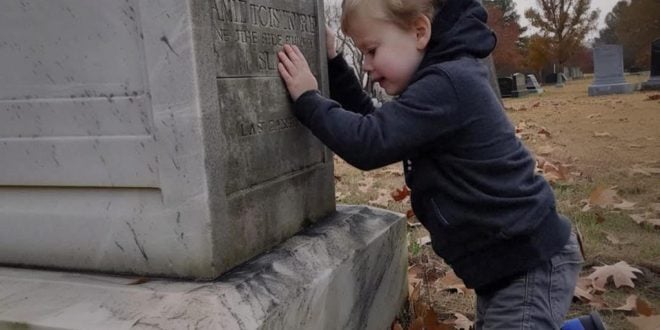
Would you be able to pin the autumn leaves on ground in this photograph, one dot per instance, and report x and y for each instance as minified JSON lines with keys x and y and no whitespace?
{"x":602,"y":156}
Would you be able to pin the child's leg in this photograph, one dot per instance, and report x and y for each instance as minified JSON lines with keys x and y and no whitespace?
{"x":538,"y":300}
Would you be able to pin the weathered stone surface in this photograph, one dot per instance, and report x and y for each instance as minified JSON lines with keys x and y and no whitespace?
{"x":154,"y":137}
{"x":347,"y":272}
{"x":608,"y":72}
{"x":532,"y":84}
{"x":519,"y":88}
{"x":506,"y":86}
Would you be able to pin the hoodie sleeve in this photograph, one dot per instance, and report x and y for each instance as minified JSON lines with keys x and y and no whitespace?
{"x":345,"y":87}
{"x":426,"y":112}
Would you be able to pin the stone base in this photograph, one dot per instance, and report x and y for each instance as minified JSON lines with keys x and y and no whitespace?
{"x":346,"y":272}
{"x":652,"y":84}
{"x":597,"y":90}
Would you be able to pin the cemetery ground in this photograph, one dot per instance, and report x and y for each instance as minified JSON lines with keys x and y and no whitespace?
{"x":602,"y":156}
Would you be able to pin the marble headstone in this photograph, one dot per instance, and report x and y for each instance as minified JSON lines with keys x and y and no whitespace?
{"x":519,"y":87}
{"x":154,"y":137}
{"x":654,"y":80}
{"x":608,"y":72}
{"x":533,"y":85}
{"x":506,"y":86}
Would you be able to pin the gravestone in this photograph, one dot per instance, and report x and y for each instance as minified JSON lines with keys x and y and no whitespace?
{"x":608,"y":72}
{"x":506,"y":86}
{"x":519,"y":87}
{"x":551,"y":78}
{"x":156,"y":139}
{"x":533,"y":84}
{"x":654,"y":80}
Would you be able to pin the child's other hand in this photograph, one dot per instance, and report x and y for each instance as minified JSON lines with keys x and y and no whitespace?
{"x":295,"y":71}
{"x":330,"y":42}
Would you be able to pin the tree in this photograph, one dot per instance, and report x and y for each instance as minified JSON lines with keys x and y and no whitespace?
{"x":607,"y":35}
{"x":507,"y":55}
{"x":564,"y":24}
{"x":638,"y":25}
{"x":507,"y":7}
{"x":538,"y":54}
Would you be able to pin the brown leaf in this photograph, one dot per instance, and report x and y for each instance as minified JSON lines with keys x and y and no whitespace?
{"x":653,"y":97}
{"x":544,"y":132}
{"x":139,"y":280}
{"x":462,"y":322}
{"x":602,"y":134}
{"x":622,"y":275}
{"x":545,"y":150}
{"x":400,"y":194}
{"x":645,"y":322}
{"x":536,"y":104}
{"x":637,"y":305}
{"x":410,"y":213}
{"x":599,"y":218}
{"x":338,"y":178}
{"x":451,"y":282}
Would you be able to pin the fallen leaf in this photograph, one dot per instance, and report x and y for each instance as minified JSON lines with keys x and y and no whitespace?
{"x":426,"y":239}
{"x":410,"y":214}
{"x":545,"y":150}
{"x":337,"y":178}
{"x":653,"y":97}
{"x":622,"y":275}
{"x":602,"y":134}
{"x":645,"y":322}
{"x":638,"y":218}
{"x":462,"y":322}
{"x":636,"y":146}
{"x":365,"y":184}
{"x":637,"y":305}
{"x":613,"y":239}
{"x":544,"y":132}
{"x":599,"y":218}
{"x":400,"y":194}
{"x":139,"y":280}
{"x":451,"y":282}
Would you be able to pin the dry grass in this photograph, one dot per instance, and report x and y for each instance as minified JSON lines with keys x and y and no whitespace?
{"x":604,"y":141}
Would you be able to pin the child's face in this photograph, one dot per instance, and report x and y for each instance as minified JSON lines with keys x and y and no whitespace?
{"x":391,"y":54}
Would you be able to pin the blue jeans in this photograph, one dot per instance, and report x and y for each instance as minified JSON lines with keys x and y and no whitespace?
{"x":538,"y":299}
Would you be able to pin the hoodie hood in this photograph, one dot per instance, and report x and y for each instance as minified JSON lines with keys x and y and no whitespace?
{"x":459,"y":29}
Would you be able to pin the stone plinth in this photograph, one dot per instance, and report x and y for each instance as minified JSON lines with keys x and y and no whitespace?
{"x":608,"y":72}
{"x":154,"y":137}
{"x":348,"y":272}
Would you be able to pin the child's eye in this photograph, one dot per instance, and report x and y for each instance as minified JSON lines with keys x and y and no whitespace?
{"x":371,"y":51}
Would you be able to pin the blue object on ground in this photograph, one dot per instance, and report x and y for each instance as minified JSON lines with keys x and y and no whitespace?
{"x":586,"y":322}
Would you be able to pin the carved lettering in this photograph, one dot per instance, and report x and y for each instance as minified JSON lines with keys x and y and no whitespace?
{"x":257,"y":31}
{"x":267,"y":126}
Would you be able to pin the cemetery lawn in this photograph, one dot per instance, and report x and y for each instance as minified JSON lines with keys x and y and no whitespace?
{"x":602,"y":155}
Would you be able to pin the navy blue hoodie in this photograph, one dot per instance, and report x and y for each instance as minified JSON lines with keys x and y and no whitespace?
{"x":472,"y":181}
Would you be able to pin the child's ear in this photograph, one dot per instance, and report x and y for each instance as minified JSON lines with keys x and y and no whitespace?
{"x":422,"y":27}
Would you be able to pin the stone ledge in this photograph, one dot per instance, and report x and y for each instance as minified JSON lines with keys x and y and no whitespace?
{"x":597,"y":90}
{"x":346,"y":272}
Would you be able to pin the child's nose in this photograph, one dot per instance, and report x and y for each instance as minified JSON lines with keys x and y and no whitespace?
{"x":366,"y":64}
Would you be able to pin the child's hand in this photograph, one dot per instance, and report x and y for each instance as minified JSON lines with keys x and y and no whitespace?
{"x":330,"y":42}
{"x":295,"y":71}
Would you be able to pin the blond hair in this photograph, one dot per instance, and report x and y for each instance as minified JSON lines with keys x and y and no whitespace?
{"x":400,"y":12}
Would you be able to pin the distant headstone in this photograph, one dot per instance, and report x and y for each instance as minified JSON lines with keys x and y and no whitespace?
{"x":551,"y":78}
{"x":533,"y":84}
{"x":654,"y":81}
{"x":506,"y":86}
{"x":608,"y":72}
{"x":519,"y":87}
